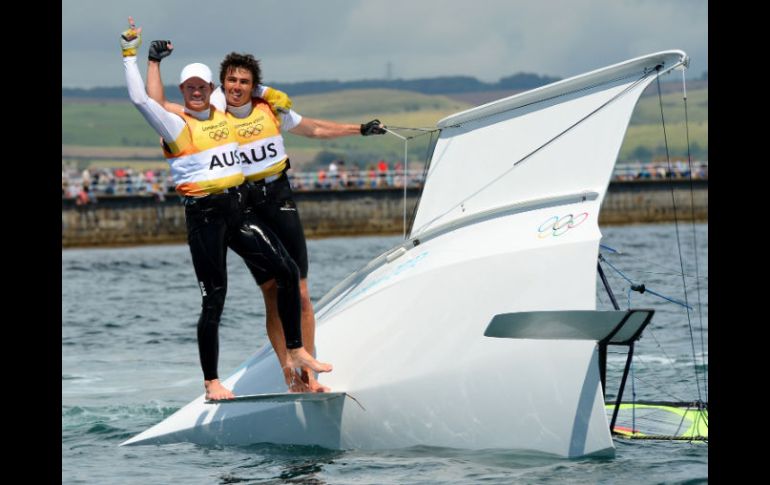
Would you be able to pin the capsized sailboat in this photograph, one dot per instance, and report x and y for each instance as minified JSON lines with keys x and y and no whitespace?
{"x":480,"y":330}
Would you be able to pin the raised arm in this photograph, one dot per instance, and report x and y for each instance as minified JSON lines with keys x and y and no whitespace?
{"x":158,"y":50}
{"x":315,"y":128}
{"x":165,"y":123}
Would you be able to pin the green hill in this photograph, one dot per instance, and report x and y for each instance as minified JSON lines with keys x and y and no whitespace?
{"x":112,"y":123}
{"x":644,"y":138}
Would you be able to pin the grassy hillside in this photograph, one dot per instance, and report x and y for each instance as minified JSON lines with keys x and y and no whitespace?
{"x":99,"y":123}
{"x":644,"y":138}
{"x":108,"y":124}
{"x":104,"y":123}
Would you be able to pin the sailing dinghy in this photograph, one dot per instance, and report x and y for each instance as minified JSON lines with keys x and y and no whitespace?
{"x":480,"y":330}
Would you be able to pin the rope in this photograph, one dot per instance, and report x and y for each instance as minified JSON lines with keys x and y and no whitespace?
{"x":678,"y":241}
{"x":641,"y":288}
{"x":660,"y":437}
{"x":406,"y":164}
{"x":694,"y":236}
{"x":670,"y":272}
{"x":426,"y":166}
{"x":425,"y":131}
{"x":640,"y":359}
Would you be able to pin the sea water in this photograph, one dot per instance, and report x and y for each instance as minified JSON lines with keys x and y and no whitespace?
{"x":130,"y":359}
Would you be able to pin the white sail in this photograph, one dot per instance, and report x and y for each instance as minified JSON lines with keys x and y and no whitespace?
{"x":507,"y":223}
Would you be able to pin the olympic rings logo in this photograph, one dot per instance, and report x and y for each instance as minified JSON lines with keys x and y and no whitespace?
{"x":250,"y":131}
{"x":219,"y":134}
{"x":556,"y":226}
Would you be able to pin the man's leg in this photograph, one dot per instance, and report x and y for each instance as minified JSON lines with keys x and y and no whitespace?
{"x":206,"y":239}
{"x":308,"y":336}
{"x":275,"y":334}
{"x":264,"y":254}
{"x":308,"y":381}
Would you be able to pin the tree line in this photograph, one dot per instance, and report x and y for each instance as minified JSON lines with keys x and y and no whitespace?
{"x":431,"y":86}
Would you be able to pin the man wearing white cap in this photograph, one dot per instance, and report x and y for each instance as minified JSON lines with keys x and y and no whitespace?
{"x":199,"y":144}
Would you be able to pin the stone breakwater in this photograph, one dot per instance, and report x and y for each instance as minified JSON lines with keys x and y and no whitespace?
{"x":133,"y":220}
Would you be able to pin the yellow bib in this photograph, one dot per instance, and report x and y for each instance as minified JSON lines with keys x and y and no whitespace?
{"x":260,"y":143}
{"x":204,"y":157}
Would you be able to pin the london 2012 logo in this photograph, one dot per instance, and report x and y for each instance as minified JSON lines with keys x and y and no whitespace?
{"x":556,"y":226}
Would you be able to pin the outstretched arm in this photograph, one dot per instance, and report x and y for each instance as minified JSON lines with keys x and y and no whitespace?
{"x":158,"y":50}
{"x":315,"y":128}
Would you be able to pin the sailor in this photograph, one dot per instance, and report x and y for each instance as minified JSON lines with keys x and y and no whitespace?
{"x":264,"y":162}
{"x":200,"y":146}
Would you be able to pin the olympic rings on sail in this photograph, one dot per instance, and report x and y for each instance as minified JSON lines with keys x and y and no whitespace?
{"x":556,"y":226}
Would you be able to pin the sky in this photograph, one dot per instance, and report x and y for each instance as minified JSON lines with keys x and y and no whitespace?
{"x":310,"y":40}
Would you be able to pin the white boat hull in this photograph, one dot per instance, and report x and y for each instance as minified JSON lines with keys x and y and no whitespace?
{"x":418,"y":364}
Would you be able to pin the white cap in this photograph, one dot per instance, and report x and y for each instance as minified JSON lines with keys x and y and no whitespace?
{"x":196,"y":69}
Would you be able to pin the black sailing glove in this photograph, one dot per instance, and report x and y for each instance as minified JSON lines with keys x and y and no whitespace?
{"x":160,"y":49}
{"x":374,"y":127}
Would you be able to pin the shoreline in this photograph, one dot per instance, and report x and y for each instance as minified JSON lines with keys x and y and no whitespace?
{"x":123,"y":221}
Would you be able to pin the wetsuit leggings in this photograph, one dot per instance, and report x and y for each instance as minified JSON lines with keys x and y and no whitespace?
{"x":213,"y":223}
{"x":274,"y":206}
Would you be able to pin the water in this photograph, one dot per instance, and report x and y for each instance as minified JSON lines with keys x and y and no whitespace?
{"x":129,"y":359}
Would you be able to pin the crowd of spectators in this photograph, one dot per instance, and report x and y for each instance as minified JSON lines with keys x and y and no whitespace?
{"x":84,"y":186}
{"x":680,"y":169}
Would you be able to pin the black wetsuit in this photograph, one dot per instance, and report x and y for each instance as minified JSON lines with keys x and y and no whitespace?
{"x":273,"y":204}
{"x":214,"y":223}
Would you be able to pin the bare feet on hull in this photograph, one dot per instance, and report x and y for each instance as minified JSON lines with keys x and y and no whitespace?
{"x":299,"y":357}
{"x":294,"y":380}
{"x":312,"y":384}
{"x":215,"y":391}
{"x":304,"y":382}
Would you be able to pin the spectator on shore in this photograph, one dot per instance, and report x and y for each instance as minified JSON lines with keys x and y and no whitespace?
{"x":86,"y":178}
{"x":332,"y":174}
{"x":321,"y":182}
{"x":343,"y":173}
{"x":355,"y":176}
{"x":398,"y":174}
{"x":382,"y":173}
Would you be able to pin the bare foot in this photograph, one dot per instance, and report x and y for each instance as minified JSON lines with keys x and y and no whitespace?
{"x":312,"y":384}
{"x":294,"y":381}
{"x":215,"y":391}
{"x":299,"y":357}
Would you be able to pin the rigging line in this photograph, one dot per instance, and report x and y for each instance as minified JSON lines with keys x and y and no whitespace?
{"x":681,"y":422}
{"x":678,"y":241}
{"x":694,"y":235}
{"x":644,"y":260}
{"x":658,"y":388}
{"x":415,"y":128}
{"x":428,"y":152}
{"x":666,"y":274}
{"x":548,"y":142}
{"x":669,"y":272}
{"x":642,"y":288}
{"x":406,"y":164}
{"x":660,"y":347}
{"x":569,"y":128}
{"x":639,"y":358}
{"x":423,"y":131}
